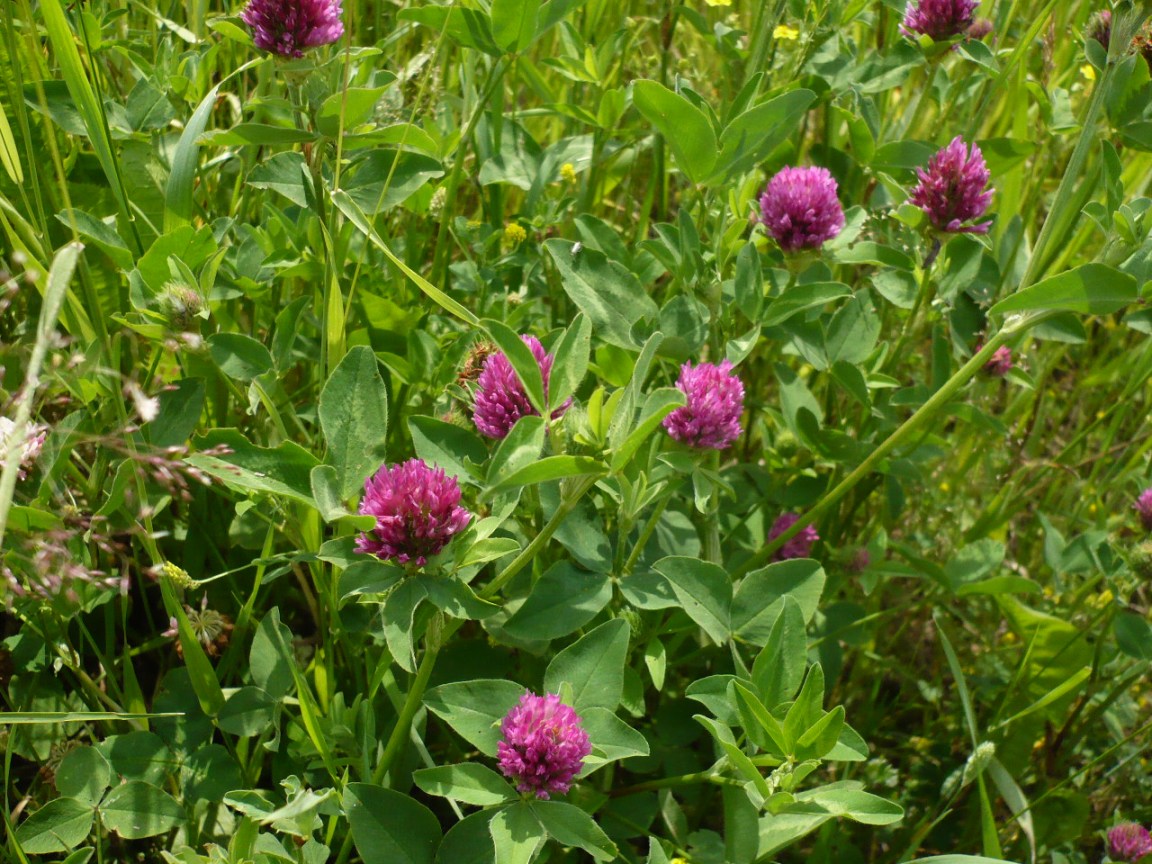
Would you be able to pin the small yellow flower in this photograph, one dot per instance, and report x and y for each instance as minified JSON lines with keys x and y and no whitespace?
{"x":473,"y":224}
{"x":568,"y":172}
{"x":1099,"y":601}
{"x":514,"y":234}
{"x":1088,"y":71}
{"x":783,"y":31}
{"x":715,"y":3}
{"x":945,"y":486}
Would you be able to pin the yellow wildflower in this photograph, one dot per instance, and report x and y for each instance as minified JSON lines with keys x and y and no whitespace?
{"x":568,"y":172}
{"x":783,"y":31}
{"x":514,"y":234}
{"x":1088,"y":71}
{"x":716,"y":3}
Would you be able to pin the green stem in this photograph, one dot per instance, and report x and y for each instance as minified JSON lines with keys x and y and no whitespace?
{"x":910,"y":427}
{"x":670,"y":782}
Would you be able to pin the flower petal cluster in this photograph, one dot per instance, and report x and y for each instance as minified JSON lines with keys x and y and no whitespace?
{"x":951,"y":189}
{"x":544,"y":745}
{"x":500,"y":397}
{"x":289,"y":27}
{"x":1000,"y":363}
{"x":940,"y":19}
{"x":711,"y":419}
{"x":1143,"y":507}
{"x":800,"y":209}
{"x":29,"y":449}
{"x":1129,"y":842}
{"x":799,"y":546}
{"x":417,"y":510}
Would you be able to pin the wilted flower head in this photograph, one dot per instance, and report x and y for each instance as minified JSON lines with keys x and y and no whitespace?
{"x":799,"y":546}
{"x":951,"y":190}
{"x":29,"y":449}
{"x":500,"y":397}
{"x":544,"y":745}
{"x":288,"y":27}
{"x":417,"y":510}
{"x":1000,"y":363}
{"x":1129,"y":842}
{"x":1100,"y":27}
{"x":940,"y":19}
{"x":800,"y":209}
{"x":711,"y":419}
{"x":1144,"y":508}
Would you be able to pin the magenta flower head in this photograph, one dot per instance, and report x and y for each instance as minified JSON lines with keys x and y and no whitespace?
{"x":1000,"y":363}
{"x":800,"y":546}
{"x":1100,"y":27}
{"x":1143,"y":507}
{"x":417,"y":510}
{"x":289,"y":27}
{"x":940,"y":19}
{"x":1129,"y":842}
{"x":544,"y":745}
{"x":711,"y":419}
{"x":500,"y":397}
{"x":951,"y":190}
{"x":800,"y":209}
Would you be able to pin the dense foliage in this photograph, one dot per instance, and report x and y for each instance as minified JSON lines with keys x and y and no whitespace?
{"x":556,"y":430}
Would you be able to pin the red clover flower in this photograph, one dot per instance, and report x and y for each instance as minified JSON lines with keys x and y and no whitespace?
{"x":951,"y":189}
{"x":940,"y":19}
{"x":500,"y":398}
{"x":1143,"y":507}
{"x":711,"y":419}
{"x":800,"y":209}
{"x":417,"y":510}
{"x":544,"y":745}
{"x":1129,"y":842}
{"x":799,"y":546}
{"x":1000,"y":363}
{"x":1100,"y":27}
{"x":288,"y":27}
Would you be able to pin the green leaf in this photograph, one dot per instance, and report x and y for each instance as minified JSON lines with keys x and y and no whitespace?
{"x":570,"y":361}
{"x":282,"y":470}
{"x":551,"y":468}
{"x":761,"y":727}
{"x":657,"y":405}
{"x":516,"y":834}
{"x":705,"y":592}
{"x":468,"y":27}
{"x":807,"y":709}
{"x":800,"y":578}
{"x":270,"y":659}
{"x":685,"y":127}
{"x":200,"y":670}
{"x":238,"y":356}
{"x":56,"y":827}
{"x":611,"y":737}
{"x":356,"y":104}
{"x":469,"y":841}
{"x":563,"y":600}
{"x":520,"y":449}
{"x":470,"y":782}
{"x":83,"y":774}
{"x":855,"y":804}
{"x":514,"y":23}
{"x":356,"y":216}
{"x":178,"y":205}
{"x":519,"y":355}
{"x":606,"y":291}
{"x":137,"y":809}
{"x":1092,"y":289}
{"x":593,"y":667}
{"x":474,"y":709}
{"x":778,"y":669}
{"x":248,"y":711}
{"x":389,"y":827}
{"x":353,"y":413}
{"x":749,"y":138}
{"x":448,"y":446}
{"x":571,"y":826}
